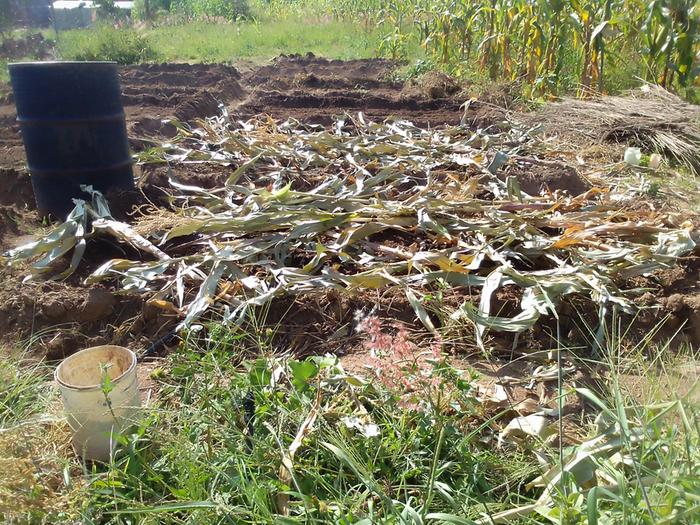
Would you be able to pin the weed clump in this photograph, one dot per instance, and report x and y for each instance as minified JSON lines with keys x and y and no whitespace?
{"x":124,"y":46}
{"x":398,"y":362}
{"x":206,"y":9}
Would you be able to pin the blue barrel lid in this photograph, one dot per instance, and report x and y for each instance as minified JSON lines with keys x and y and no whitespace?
{"x":44,"y":63}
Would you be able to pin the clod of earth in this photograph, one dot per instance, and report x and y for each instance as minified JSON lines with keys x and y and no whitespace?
{"x":366,"y":206}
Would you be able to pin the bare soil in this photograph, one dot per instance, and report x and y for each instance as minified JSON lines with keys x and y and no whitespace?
{"x":313,"y":90}
{"x":317,"y":90}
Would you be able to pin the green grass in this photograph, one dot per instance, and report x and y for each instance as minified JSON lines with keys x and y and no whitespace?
{"x":210,"y":42}
{"x":194,"y":460}
{"x":432,"y":458}
{"x":4,"y":76}
{"x":124,"y":46}
{"x":21,"y":389}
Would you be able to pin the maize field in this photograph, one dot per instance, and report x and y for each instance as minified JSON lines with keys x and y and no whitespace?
{"x":536,"y":41}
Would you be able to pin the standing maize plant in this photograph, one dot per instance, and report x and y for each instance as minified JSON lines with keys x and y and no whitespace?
{"x":544,"y":42}
{"x":423,"y":23}
{"x":495,"y":46}
{"x":533,"y":43}
{"x":688,"y":55}
{"x":397,"y":17}
{"x":671,"y":35}
{"x":465,"y":21}
{"x":684,"y":18}
{"x":590,"y":19}
{"x":445,"y":21}
{"x":555,"y":20}
{"x":523,"y":47}
{"x":487,"y":47}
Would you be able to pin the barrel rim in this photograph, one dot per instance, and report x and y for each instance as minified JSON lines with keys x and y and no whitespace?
{"x":62,"y":63}
{"x":76,"y":388}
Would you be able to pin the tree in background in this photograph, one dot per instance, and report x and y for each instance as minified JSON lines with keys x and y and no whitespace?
{"x":229,"y":9}
{"x":5,"y":18}
{"x":107,"y":8}
{"x":148,"y":9}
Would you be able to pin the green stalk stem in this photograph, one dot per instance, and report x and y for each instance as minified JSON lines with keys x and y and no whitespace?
{"x":433,"y":470}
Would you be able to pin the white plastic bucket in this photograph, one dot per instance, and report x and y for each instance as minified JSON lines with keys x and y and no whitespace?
{"x":95,"y":421}
{"x":633,"y":156}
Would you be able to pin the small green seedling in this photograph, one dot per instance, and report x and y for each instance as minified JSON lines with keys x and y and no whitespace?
{"x":106,"y":386}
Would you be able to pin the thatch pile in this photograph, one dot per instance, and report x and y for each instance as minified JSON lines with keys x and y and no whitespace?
{"x":649,"y":117}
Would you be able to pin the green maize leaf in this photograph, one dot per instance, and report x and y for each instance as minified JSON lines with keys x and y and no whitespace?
{"x":420,"y":310}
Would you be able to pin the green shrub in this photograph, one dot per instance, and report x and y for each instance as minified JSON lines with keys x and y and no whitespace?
{"x":156,"y":8}
{"x":107,"y":9}
{"x":124,"y":46}
{"x":5,"y":17}
{"x":229,"y":9}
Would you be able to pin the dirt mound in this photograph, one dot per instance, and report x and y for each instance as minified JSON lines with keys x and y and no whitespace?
{"x":202,"y":104}
{"x":34,"y":46}
{"x":154,"y":92}
{"x":16,"y":188}
{"x":287,"y":69}
{"x":307,"y":88}
{"x":9,"y":227}
{"x":11,"y":147}
{"x":538,"y":176}
{"x":17,"y":215}
{"x":169,"y":85}
{"x":684,"y":313}
{"x":63,"y":317}
{"x":677,"y":292}
{"x":311,"y":89}
{"x":316,"y":90}
{"x":436,"y":84}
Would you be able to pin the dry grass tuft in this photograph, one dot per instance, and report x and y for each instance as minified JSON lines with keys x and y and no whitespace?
{"x":158,"y":221}
{"x":35,"y":464}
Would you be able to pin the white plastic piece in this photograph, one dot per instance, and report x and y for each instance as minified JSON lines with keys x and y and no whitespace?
{"x":655,"y":161}
{"x":95,"y":421}
{"x":633,"y":156}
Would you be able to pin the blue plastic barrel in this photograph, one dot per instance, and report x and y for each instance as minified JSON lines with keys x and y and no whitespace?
{"x":73,"y":128}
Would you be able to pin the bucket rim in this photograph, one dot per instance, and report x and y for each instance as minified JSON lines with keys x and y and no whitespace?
{"x":45,"y":63}
{"x":76,"y":388}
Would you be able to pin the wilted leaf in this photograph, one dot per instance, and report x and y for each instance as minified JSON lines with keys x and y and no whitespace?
{"x":420,"y":311}
{"x":520,"y":428}
{"x":309,"y":210}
